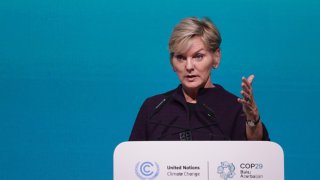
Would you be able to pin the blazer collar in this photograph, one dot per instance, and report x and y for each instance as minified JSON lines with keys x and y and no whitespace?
{"x":202,"y":94}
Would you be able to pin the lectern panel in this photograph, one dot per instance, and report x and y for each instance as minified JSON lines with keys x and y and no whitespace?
{"x":199,"y":160}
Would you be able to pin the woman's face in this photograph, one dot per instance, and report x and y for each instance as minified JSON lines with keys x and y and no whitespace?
{"x":194,"y":66}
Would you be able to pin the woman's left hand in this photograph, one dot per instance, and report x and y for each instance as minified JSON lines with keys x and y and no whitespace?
{"x":248,"y":103}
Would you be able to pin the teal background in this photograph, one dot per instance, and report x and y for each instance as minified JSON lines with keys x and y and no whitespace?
{"x":73,"y":74}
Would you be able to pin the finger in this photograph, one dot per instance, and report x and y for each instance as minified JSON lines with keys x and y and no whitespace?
{"x":250,"y":79}
{"x":246,"y":88}
{"x":246,"y":96}
{"x":242,"y":101}
{"x":249,"y":108}
{"x":246,"y":83}
{"x":247,"y":105}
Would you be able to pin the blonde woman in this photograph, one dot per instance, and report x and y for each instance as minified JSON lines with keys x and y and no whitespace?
{"x":198,"y":109}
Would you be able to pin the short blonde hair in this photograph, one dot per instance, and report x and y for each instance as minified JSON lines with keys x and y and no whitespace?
{"x":191,"y":27}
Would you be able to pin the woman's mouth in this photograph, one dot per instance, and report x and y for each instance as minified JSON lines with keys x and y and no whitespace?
{"x":190,"y":77}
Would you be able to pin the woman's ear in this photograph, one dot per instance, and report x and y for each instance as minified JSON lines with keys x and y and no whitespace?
{"x":216,"y":58}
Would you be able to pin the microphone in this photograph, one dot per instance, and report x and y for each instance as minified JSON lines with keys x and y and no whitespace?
{"x":160,"y":106}
{"x":210,"y":112}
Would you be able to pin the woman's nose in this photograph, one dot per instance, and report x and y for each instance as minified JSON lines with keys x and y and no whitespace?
{"x":189,"y":65}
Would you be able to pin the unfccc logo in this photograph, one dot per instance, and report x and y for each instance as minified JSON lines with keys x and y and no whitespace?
{"x":226,"y":170}
{"x":147,"y":170}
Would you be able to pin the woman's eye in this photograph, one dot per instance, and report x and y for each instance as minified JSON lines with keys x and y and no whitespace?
{"x":180,"y":57}
{"x":199,"y":57}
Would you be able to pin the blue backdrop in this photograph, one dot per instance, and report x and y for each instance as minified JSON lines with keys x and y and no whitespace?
{"x":73,"y":74}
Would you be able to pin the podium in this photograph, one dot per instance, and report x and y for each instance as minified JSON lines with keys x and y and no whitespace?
{"x":198,"y":160}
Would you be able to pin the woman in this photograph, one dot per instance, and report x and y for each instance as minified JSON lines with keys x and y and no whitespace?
{"x":198,"y":109}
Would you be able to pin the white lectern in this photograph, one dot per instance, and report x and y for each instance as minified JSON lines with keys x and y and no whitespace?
{"x":199,"y":160}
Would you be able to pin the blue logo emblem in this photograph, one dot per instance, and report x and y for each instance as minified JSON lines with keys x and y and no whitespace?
{"x":226,"y":170}
{"x":147,"y":170}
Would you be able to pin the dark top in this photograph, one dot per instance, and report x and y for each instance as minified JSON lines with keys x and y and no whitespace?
{"x":217,"y":115}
